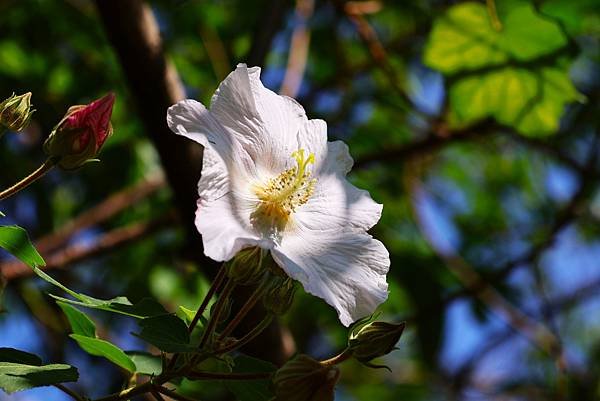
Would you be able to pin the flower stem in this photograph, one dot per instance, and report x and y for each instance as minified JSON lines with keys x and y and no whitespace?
{"x":256,"y":295}
{"x":25,"y":182}
{"x":214,"y":317}
{"x":344,"y":355}
{"x":211,"y":291}
{"x":251,"y":335}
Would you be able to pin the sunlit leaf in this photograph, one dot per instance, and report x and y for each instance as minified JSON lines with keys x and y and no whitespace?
{"x":513,"y":73}
{"x":17,"y":377}
{"x":80,"y":322}
{"x":146,"y":363}
{"x":105,"y":349}
{"x":16,"y":241}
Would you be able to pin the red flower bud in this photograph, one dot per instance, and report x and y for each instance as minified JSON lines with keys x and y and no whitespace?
{"x":78,"y":137}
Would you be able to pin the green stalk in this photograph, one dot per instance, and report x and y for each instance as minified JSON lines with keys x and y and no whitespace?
{"x":30,"y":179}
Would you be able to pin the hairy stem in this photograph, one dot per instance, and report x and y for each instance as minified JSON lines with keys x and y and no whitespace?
{"x":214,"y":318}
{"x":254,"y":298}
{"x":31,"y":178}
{"x":336,"y":360}
{"x":251,"y":335}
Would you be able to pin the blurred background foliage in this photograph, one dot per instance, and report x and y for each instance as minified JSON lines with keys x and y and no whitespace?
{"x":474,"y":123}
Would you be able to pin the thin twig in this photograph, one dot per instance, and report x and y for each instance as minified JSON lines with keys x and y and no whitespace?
{"x":254,"y":298}
{"x":251,"y":335}
{"x":30,"y":179}
{"x":69,"y":392}
{"x":173,"y":394}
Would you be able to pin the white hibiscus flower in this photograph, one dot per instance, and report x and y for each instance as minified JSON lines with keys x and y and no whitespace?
{"x":271,"y":179}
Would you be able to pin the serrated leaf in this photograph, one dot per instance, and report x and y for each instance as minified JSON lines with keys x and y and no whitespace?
{"x":17,"y":377}
{"x":166,"y":332}
{"x":146,"y":363}
{"x":80,"y":322}
{"x":105,"y":349}
{"x":16,"y":241}
{"x":144,"y":308}
{"x":465,"y":39}
{"x":251,"y":390}
{"x":530,"y":101}
{"x":17,"y":356}
{"x":500,"y":73}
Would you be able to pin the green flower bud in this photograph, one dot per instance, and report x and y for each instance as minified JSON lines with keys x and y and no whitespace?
{"x":374,"y":340}
{"x":15,"y":112}
{"x":280,"y":294}
{"x":305,"y":379}
{"x":78,"y":137}
{"x":248,"y":266}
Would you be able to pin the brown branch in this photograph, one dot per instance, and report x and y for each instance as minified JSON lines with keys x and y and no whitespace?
{"x":76,"y":253}
{"x":106,"y":209}
{"x":298,"y":53}
{"x":133,"y":32}
{"x":272,"y":22}
{"x":437,"y":138}
{"x":535,"y":331}
{"x":375,"y":47}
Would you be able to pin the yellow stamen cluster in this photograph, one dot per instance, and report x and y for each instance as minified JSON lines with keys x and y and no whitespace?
{"x":281,"y":195}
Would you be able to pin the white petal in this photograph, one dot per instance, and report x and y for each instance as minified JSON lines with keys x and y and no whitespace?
{"x":336,"y":203}
{"x":265,"y":123}
{"x":345,"y":268}
{"x":218,"y":219}
{"x":192,"y":120}
{"x":330,"y":157}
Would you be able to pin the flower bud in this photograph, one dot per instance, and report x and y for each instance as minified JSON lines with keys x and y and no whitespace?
{"x":374,"y":340}
{"x":247,"y":267}
{"x":305,"y":379}
{"x":279,"y":295}
{"x":78,"y":137}
{"x":15,"y":112}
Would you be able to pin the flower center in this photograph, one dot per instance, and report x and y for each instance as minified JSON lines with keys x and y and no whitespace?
{"x":281,"y":195}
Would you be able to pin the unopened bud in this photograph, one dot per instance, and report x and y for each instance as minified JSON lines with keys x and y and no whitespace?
{"x":305,"y":379}
{"x":280,"y":294}
{"x":15,"y":112}
{"x":374,"y":340}
{"x":78,"y":137}
{"x":248,"y":266}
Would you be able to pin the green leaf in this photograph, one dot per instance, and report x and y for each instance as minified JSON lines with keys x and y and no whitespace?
{"x":144,"y":308}
{"x":464,"y":38}
{"x":16,"y":241}
{"x":514,"y":74}
{"x":531,"y":101}
{"x":17,"y":377}
{"x":17,"y":356}
{"x":166,"y":332}
{"x":105,"y":349}
{"x":188,"y":314}
{"x":146,"y":363}
{"x":80,"y":322}
{"x":251,"y":390}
